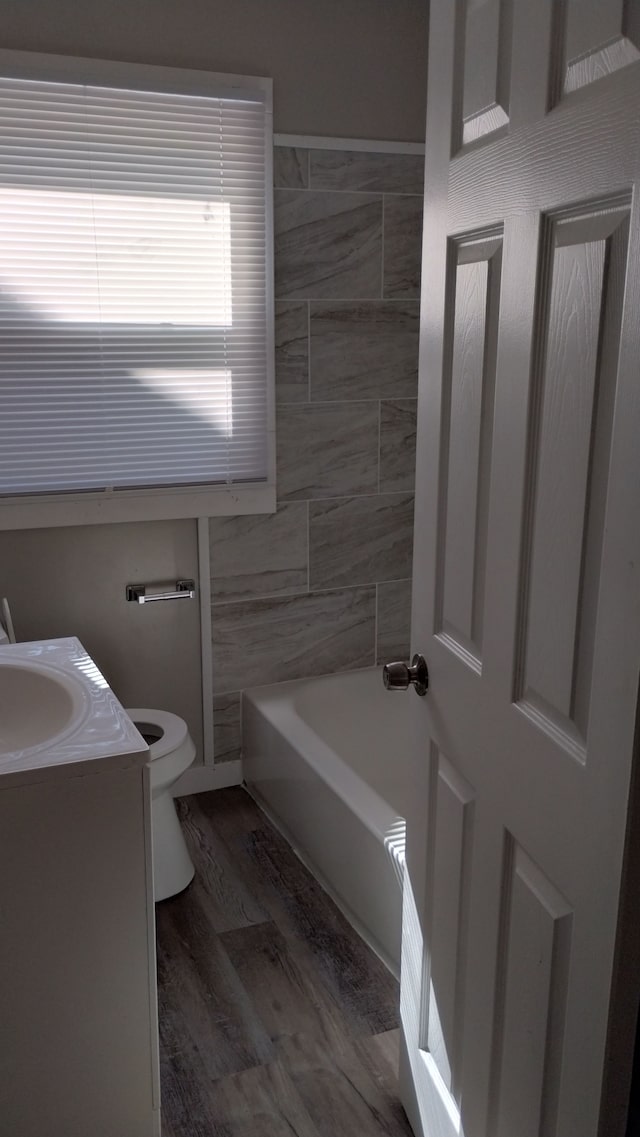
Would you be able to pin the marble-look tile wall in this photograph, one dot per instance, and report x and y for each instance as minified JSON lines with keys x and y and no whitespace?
{"x":324,"y":584}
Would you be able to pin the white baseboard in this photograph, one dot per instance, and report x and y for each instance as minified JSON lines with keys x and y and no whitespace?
{"x":200,"y":779}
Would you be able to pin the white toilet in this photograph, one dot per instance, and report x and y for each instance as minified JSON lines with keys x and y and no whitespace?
{"x":172,"y":752}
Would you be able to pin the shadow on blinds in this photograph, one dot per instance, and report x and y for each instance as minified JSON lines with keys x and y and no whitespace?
{"x":87,"y":406}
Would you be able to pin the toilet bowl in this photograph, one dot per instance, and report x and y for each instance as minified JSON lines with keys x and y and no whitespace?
{"x":171,"y":751}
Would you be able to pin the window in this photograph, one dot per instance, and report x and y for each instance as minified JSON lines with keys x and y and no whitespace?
{"x":135,"y":267}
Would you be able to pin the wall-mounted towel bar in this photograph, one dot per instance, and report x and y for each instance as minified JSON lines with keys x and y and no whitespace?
{"x":185,"y":590}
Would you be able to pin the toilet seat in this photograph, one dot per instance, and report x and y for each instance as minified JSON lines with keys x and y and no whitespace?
{"x":173,"y":752}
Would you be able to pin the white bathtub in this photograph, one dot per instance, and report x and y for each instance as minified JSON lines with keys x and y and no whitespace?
{"x":327,"y":759}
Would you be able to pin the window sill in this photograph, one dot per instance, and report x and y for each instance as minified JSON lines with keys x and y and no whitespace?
{"x":52,"y":511}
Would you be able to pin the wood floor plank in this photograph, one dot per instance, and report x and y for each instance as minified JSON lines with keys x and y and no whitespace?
{"x":341,"y":1096}
{"x":320,"y":936}
{"x":188,"y":1098}
{"x":305,"y":914}
{"x":203,"y":1007}
{"x":279,"y":864}
{"x":380,"y":1057}
{"x":279,"y":1026}
{"x":380,"y":1053}
{"x":261,"y":1103}
{"x":231,"y":810}
{"x":229,"y":904}
{"x":287,"y":999}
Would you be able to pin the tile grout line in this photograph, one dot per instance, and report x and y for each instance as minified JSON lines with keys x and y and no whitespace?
{"x":295,"y":678}
{"x":318,"y":403}
{"x":342,"y":496}
{"x":308,"y":548}
{"x":320,"y":591}
{"x":382,"y":257}
{"x":348,"y":300}
{"x":358,"y":192}
{"x":350,"y":497}
{"x":351,"y":402}
{"x":379,"y":444}
{"x":381,"y":147}
{"x":308,"y":303}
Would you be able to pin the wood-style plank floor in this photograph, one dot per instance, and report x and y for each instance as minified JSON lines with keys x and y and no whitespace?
{"x":276,"y":1020}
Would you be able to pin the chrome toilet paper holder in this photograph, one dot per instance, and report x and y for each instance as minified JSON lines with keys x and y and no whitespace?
{"x":184,"y":590}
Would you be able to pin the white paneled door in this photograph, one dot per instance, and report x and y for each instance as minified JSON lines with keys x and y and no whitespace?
{"x":527,"y":563}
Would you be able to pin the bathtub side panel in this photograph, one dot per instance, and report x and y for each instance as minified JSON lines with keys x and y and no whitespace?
{"x":344,"y":853}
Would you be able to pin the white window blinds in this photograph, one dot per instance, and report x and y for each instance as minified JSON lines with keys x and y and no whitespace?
{"x":133,"y":288}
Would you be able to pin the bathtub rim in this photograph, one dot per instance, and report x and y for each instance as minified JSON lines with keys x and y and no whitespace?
{"x":371,"y":809}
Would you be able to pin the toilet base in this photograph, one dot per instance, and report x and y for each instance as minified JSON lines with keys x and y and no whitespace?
{"x":172,"y":866}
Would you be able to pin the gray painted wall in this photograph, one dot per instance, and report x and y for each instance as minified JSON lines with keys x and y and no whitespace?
{"x":351,"y":68}
{"x":64,"y":582}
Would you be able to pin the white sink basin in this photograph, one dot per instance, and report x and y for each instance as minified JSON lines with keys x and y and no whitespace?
{"x":57,"y":709}
{"x":37,"y":705}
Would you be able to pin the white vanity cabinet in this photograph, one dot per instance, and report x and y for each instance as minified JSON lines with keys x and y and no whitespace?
{"x":78,"y":1020}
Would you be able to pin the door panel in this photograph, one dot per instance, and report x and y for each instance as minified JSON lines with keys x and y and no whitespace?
{"x":570,"y":436}
{"x":473,"y":310}
{"x":526,"y":577}
{"x":599,"y":39}
{"x":533,"y":963}
{"x":485,"y":87}
{"x":452,"y":828}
